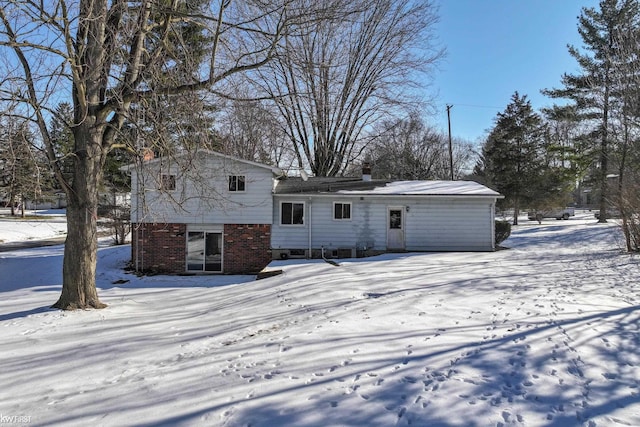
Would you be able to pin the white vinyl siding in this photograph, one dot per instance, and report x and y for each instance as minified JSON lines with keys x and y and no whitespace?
{"x":431,"y":224}
{"x":450,"y":225}
{"x":202,"y":193}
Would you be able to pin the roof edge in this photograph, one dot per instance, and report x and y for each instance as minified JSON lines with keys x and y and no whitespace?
{"x":275,"y":170}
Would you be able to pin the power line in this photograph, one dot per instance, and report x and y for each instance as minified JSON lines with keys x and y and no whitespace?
{"x":480,"y":106}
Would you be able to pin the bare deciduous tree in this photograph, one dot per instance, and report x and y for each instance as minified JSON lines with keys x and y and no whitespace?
{"x":410,"y":150}
{"x":347,"y":72}
{"x":625,"y":113}
{"x":250,"y":130}
{"x":106,"y":56}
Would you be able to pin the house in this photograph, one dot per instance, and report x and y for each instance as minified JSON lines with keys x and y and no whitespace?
{"x":347,"y":217}
{"x":203,"y":212}
{"x":215,"y":213}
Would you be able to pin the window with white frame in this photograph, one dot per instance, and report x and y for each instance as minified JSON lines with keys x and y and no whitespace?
{"x":236,"y":183}
{"x":341,"y":211}
{"x":292,"y":213}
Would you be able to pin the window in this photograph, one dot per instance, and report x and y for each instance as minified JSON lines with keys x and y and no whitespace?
{"x":341,"y":211}
{"x":236,"y":182}
{"x":395,"y":219}
{"x":292,"y":213}
{"x":167,"y":182}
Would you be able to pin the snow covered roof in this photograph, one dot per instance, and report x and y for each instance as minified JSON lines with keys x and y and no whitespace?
{"x":381,"y":187}
{"x":429,"y":188}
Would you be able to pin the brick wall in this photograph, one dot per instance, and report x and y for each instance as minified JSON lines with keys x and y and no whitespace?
{"x":162,"y":247}
{"x":247,"y":247}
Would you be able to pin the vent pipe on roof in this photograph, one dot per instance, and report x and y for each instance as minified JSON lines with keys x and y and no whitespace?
{"x":366,"y":171}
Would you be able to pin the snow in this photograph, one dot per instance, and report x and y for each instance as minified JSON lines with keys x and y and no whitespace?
{"x":428,"y":188}
{"x":52,"y":223}
{"x":545,"y":333}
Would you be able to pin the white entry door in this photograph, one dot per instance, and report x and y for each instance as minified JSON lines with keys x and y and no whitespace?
{"x":395,"y":228}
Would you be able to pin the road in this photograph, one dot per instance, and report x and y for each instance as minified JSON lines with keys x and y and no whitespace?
{"x":27,"y":244}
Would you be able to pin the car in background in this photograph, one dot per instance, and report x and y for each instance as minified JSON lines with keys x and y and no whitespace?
{"x":557,"y":213}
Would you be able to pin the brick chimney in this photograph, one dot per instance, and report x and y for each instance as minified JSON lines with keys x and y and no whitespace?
{"x":148,"y":154}
{"x":366,"y":171}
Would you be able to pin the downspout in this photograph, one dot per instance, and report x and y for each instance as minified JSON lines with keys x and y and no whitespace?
{"x":492,"y":218}
{"x":137,"y":216}
{"x":310,"y":254}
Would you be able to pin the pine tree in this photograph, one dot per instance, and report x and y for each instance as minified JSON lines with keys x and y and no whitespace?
{"x":21,"y":172}
{"x":62,"y":138}
{"x":593,"y":89}
{"x":511,"y":158}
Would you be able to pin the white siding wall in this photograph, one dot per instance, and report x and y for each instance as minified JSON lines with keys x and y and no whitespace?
{"x":432,"y":224}
{"x":202,"y":193}
{"x":365,"y":229}
{"x":450,"y":225}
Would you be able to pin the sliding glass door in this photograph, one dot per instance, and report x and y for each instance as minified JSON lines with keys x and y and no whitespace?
{"x":204,"y":251}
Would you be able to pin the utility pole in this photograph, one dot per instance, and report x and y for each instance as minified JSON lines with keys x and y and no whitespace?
{"x":450,"y":145}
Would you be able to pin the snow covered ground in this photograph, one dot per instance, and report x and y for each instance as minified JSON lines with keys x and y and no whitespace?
{"x":52,"y":223}
{"x":546,"y":333}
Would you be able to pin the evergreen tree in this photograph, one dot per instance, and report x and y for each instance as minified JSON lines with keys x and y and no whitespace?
{"x":511,"y":161}
{"x":593,"y":90}
{"x":175,"y":122}
{"x":21,"y":171}
{"x":62,"y":138}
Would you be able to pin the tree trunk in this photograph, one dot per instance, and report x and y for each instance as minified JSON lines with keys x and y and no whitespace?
{"x":81,"y":246}
{"x":604,"y":151}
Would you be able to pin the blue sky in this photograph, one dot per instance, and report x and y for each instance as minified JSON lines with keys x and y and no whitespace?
{"x":497,"y":47}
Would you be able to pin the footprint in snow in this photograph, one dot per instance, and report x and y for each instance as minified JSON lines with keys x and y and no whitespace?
{"x":401,"y":412}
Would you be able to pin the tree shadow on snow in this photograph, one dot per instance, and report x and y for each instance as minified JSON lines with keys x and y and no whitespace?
{"x":502,"y":379}
{"x":25,"y":313}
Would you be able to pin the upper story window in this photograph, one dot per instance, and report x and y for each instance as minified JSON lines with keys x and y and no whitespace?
{"x":292,"y":213}
{"x":236,"y":183}
{"x":167,"y":182}
{"x":341,"y":211}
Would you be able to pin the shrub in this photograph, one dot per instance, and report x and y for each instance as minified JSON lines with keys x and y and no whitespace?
{"x":119,"y":221}
{"x":502,"y":230}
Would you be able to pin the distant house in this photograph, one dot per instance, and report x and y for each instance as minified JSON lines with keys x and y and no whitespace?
{"x":228,"y":215}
